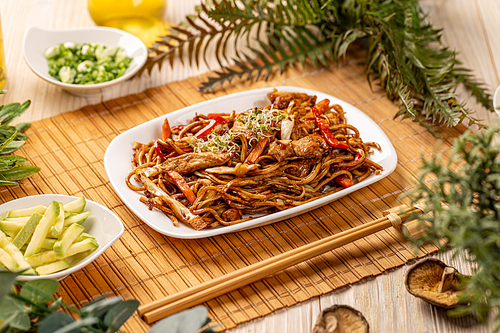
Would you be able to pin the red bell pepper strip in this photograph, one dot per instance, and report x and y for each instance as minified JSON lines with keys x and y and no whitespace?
{"x":215,"y":115}
{"x":344,"y":181}
{"x":165,"y":130}
{"x":182,"y":185}
{"x":324,"y":127}
{"x":178,"y":127}
{"x":257,"y":150}
{"x":208,"y":129}
{"x":172,"y":154}
{"x":158,"y":151}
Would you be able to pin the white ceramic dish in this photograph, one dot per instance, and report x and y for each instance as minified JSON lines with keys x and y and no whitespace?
{"x":36,"y":41}
{"x":102,"y":223}
{"x":496,"y":100}
{"x":119,"y":153}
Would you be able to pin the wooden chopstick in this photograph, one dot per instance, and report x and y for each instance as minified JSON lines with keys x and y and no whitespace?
{"x":205,"y":291}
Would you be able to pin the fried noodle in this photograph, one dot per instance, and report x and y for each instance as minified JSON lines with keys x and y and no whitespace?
{"x":221,"y":168}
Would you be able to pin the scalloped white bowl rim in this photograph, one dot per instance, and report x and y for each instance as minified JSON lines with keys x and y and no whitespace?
{"x":37,"y":40}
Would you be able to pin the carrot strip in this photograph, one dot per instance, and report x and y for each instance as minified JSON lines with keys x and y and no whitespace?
{"x":344,"y":181}
{"x":182,"y":185}
{"x":166,"y":132}
{"x":257,"y":150}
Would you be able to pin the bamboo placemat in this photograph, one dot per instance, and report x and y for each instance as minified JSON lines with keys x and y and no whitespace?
{"x":146,"y":265}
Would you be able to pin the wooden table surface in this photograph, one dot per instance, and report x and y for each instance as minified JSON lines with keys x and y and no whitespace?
{"x":470,"y":26}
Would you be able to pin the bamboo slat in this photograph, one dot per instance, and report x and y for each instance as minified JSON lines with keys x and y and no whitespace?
{"x":147,"y":266}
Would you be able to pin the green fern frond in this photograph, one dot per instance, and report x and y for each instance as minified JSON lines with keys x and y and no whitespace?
{"x":404,"y":55}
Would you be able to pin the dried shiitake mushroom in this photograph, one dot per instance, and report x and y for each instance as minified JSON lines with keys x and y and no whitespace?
{"x":341,"y":319}
{"x":434,"y":282}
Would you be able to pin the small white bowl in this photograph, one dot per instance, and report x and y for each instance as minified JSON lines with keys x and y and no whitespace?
{"x":102,"y":223}
{"x":36,"y":41}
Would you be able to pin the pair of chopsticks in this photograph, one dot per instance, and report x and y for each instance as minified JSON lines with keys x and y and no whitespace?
{"x":205,"y":291}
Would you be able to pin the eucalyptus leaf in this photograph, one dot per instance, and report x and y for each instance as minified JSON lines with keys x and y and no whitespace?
{"x":54,"y":322}
{"x":39,"y":291}
{"x":7,"y":280}
{"x":119,"y":313}
{"x":9,"y":306}
{"x":21,"y":321}
{"x":187,"y":321}
{"x":100,"y":306}
{"x":76,"y":325}
{"x":56,"y":304}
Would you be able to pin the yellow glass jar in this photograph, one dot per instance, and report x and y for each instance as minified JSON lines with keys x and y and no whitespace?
{"x":3,"y":65}
{"x":142,"y":18}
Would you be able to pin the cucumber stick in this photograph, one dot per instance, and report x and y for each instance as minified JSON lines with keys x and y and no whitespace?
{"x":26,"y":231}
{"x":42,"y":229}
{"x":15,"y":253}
{"x":23,"y":219}
{"x":40,"y":209}
{"x":8,"y":261}
{"x":48,"y":243}
{"x":15,"y":227}
{"x":59,"y":223}
{"x":46,"y":257}
{"x":76,"y":206}
{"x":53,"y":267}
{"x":76,"y":218}
{"x":67,"y":238}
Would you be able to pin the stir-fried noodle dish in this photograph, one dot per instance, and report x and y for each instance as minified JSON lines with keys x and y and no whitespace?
{"x":222,"y":168}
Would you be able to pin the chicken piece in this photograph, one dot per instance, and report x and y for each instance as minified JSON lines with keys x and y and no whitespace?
{"x":232,"y":214}
{"x":180,"y":211}
{"x":189,"y":162}
{"x":281,"y":99}
{"x":280,"y":149}
{"x":301,"y":167}
{"x":311,"y":146}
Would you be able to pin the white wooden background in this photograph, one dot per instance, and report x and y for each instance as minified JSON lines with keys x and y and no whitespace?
{"x":470,"y":26}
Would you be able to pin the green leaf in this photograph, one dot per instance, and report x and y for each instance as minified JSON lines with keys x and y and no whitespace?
{"x":56,"y":304}
{"x":20,"y":172}
{"x":187,"y":321}
{"x":21,"y":127}
{"x":12,"y":147}
{"x":10,"y":306}
{"x":405,"y":54}
{"x":16,"y":113}
{"x":8,"y":182}
{"x":119,"y":313}
{"x":7,"y":280}
{"x":39,"y":291}
{"x":54,"y":322}
{"x":21,"y":321}
{"x":74,"y":326}
{"x":100,"y":306}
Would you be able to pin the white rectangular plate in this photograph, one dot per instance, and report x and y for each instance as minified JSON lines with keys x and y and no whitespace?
{"x":117,"y":160}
